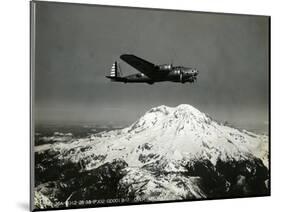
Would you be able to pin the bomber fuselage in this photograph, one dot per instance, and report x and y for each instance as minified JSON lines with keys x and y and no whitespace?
{"x":176,"y":74}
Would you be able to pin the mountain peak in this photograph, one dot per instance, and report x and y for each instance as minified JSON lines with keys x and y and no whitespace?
{"x":182,"y":111}
{"x":162,"y":108}
{"x":182,"y":108}
{"x":188,"y":109}
{"x":183,"y":116}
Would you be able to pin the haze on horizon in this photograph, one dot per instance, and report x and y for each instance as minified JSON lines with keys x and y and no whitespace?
{"x":77,"y":44}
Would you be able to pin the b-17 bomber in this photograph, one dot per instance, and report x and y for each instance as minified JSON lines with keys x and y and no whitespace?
{"x":151,"y":73}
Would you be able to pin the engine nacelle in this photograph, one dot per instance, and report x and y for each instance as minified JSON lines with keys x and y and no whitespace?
{"x":165,"y":67}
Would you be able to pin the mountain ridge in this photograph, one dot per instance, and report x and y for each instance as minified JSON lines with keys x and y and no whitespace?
{"x":182,"y":129}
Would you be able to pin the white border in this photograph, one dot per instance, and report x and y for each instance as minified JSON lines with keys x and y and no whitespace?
{"x":14,"y":88}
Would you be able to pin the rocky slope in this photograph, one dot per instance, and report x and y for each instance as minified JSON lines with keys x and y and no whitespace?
{"x":168,"y":154}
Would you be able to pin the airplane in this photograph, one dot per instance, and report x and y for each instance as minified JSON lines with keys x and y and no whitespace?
{"x":151,"y":73}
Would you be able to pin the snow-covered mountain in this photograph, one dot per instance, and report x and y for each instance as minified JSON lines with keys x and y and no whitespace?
{"x":168,"y":154}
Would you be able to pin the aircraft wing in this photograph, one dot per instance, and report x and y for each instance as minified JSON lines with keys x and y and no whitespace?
{"x":141,"y":65}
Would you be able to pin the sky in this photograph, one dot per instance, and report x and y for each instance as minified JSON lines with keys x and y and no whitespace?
{"x":76,"y":45}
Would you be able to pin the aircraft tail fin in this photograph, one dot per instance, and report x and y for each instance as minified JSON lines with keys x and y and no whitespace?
{"x":115,"y":71}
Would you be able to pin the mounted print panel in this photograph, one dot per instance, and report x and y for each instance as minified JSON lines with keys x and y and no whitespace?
{"x":137,"y":106}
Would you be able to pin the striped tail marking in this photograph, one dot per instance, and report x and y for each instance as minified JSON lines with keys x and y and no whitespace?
{"x":113,"y":71}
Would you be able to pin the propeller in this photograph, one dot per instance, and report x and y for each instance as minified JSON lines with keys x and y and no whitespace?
{"x":172,"y":62}
{"x":195,"y":79}
{"x":181,"y":76}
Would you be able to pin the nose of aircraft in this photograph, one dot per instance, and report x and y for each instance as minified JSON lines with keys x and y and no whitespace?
{"x":192,"y":72}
